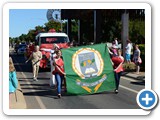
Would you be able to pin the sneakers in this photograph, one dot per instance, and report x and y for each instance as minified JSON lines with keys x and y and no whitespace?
{"x":116,"y":91}
{"x":59,"y":95}
{"x":35,"y":79}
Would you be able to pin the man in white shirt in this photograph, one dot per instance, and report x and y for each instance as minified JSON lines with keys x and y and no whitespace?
{"x":128,"y":51}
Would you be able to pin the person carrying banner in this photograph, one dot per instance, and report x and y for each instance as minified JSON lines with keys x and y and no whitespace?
{"x":52,"y":51}
{"x":118,"y":68}
{"x":59,"y":71}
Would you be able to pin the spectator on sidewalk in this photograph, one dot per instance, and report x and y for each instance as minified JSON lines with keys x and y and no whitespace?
{"x":35,"y":57}
{"x":13,"y":82}
{"x":137,"y":59}
{"x":59,"y":71}
{"x":118,"y":68}
{"x":128,"y":52}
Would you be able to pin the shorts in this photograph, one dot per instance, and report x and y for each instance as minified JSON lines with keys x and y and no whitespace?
{"x":128,"y":57}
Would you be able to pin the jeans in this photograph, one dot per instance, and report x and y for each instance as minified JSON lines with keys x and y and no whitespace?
{"x":59,"y":79}
{"x":117,"y":77}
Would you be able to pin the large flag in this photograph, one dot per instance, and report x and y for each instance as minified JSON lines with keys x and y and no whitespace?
{"x":88,"y":69}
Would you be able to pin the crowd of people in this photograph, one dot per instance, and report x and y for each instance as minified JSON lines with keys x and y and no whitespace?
{"x":118,"y":60}
{"x":57,"y":66}
{"x":57,"y":76}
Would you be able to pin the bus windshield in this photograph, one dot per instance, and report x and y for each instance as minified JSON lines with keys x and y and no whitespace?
{"x":55,"y":39}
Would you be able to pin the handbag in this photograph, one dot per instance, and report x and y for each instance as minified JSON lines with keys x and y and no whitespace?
{"x":139,"y":60}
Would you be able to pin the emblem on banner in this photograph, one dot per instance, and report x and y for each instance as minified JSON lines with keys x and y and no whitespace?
{"x":87,"y":63}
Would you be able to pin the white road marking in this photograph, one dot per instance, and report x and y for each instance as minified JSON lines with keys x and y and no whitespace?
{"x":129,"y":79}
{"x":42,"y":106}
{"x":128,"y":89}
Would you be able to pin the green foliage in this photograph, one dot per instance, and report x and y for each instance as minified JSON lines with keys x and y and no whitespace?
{"x":137,"y":31}
{"x":110,"y":28}
{"x":142,"y":49}
{"x":31,"y":35}
{"x":39,"y":28}
{"x":52,"y":24}
{"x":74,"y":30}
{"x":129,"y":67}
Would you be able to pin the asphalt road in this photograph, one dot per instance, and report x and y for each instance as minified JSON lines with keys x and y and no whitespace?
{"x":39,"y":95}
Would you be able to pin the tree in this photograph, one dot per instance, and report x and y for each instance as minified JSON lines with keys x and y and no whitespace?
{"x":52,"y":25}
{"x":23,"y":38}
{"x":39,"y":29}
{"x":31,"y":36}
{"x":137,"y":31}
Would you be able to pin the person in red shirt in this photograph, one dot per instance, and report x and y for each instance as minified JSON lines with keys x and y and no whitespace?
{"x":58,"y":71}
{"x":118,"y":68}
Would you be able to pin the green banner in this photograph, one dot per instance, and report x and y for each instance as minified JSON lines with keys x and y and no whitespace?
{"x":88,"y":69}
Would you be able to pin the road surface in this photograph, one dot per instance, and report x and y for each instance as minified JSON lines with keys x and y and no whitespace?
{"x":39,"y":95}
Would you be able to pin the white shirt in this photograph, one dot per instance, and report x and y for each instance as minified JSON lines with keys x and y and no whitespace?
{"x":128,"y":48}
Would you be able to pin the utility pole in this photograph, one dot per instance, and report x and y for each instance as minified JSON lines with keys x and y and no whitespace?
{"x":125,"y":30}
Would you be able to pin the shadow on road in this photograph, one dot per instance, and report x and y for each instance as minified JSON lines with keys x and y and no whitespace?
{"x":50,"y":92}
{"x":138,"y":83}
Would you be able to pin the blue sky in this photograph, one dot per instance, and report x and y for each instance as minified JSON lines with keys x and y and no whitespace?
{"x":22,"y":20}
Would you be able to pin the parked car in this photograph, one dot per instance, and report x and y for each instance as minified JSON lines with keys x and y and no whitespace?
{"x":21,"y":49}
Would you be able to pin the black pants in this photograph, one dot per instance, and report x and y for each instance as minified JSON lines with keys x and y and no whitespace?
{"x":117,"y":77}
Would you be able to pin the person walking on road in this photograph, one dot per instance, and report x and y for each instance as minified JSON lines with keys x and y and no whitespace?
{"x":13,"y":82}
{"x":52,"y":51}
{"x":59,"y":71}
{"x":118,"y":68}
{"x":35,"y":57}
{"x":137,"y":59}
